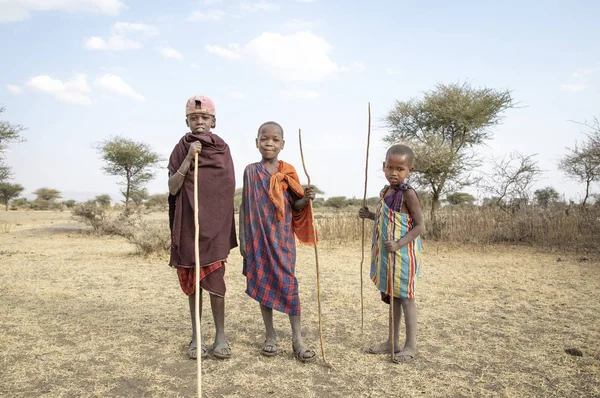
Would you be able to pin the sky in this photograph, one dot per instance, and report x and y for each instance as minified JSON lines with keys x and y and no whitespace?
{"x":77,"y":72}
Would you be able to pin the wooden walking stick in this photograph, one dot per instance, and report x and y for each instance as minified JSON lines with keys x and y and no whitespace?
{"x":316,"y":251}
{"x":364,"y":203}
{"x":197,"y":272}
{"x":392,"y":325}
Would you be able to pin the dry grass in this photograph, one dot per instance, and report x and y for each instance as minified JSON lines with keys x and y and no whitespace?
{"x":82,"y":315}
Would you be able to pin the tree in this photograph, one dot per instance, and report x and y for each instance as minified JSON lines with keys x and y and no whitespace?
{"x":47,"y":194}
{"x":46,"y":198}
{"x":460,"y":198}
{"x":130,"y":160}
{"x":443,"y":129}
{"x":103,"y":200}
{"x":583,"y":161}
{"x":544,"y":197}
{"x":138,"y":196}
{"x":512,"y":178}
{"x":337,"y":202}
{"x":159,"y":201}
{"x":8,"y":133}
{"x":9,"y":192}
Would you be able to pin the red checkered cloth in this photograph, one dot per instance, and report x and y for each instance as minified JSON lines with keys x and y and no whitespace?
{"x":211,"y":279}
{"x":270,"y":244}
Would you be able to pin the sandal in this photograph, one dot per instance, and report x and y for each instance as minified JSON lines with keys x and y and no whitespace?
{"x":269,"y":350}
{"x":222,"y":350}
{"x":301,"y":354}
{"x":405,"y":357}
{"x":193,"y":351}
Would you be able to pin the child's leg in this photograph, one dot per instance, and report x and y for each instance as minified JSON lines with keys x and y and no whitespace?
{"x":221,"y":348}
{"x":270,"y":345}
{"x":409,"y":351}
{"x":302,"y":351}
{"x":385,"y":347}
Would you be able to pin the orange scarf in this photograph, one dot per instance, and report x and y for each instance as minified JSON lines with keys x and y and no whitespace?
{"x":286,"y":177}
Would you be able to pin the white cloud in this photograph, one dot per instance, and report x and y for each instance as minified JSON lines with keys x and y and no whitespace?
{"x":300,"y":94}
{"x":20,"y":10}
{"x":573,"y":88}
{"x":211,"y":2}
{"x":116,"y":85}
{"x":14,"y":89}
{"x":302,"y":56}
{"x":305,"y":1}
{"x":211,"y":15}
{"x":119,"y":40}
{"x":262,"y":5}
{"x":299,"y":24}
{"x":237,"y":95}
{"x":169,"y":52}
{"x":233,"y":53}
{"x":71,"y":91}
{"x":356,"y":66}
{"x":583,"y":73}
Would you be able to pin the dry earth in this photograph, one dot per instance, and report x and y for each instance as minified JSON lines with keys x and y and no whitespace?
{"x":83,"y":315}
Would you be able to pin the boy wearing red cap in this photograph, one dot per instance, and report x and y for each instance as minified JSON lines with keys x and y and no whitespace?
{"x":216,"y":186}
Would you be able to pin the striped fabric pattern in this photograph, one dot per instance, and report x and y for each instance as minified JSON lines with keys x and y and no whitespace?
{"x":270,"y":260}
{"x":406,"y":262}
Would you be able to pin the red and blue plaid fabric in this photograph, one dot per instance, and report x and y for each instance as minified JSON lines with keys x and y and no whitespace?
{"x":270,"y":245}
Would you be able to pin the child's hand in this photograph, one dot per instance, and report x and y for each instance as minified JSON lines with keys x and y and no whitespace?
{"x":309,"y":192}
{"x":392,"y":245}
{"x":364,"y":212}
{"x":195,"y":147}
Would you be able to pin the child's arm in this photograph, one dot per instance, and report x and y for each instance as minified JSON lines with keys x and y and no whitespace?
{"x":309,"y":194}
{"x":177,"y":179}
{"x":364,"y":212}
{"x":414,"y":208}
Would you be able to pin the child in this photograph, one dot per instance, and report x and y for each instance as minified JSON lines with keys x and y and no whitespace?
{"x":274,"y":207}
{"x":216,"y":186}
{"x":398,"y":224}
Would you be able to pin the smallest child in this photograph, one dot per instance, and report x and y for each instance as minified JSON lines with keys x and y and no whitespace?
{"x":396,"y":238}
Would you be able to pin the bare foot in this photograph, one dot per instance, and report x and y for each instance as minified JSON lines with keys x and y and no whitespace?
{"x":382,"y":348}
{"x":406,"y":355}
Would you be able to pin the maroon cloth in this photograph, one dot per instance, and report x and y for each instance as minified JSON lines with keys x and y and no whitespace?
{"x":216,"y":187}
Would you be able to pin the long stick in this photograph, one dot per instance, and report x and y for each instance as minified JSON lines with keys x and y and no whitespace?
{"x":316,"y":251}
{"x":392,"y":325}
{"x":362,"y":235}
{"x":197,"y":286}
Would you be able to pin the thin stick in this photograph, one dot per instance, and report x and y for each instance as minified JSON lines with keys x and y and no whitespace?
{"x":316,"y":251}
{"x":197,"y":271}
{"x":392,"y":325}
{"x":362,"y":235}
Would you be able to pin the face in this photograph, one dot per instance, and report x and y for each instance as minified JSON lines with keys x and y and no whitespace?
{"x":397,"y":168}
{"x":199,"y":123}
{"x":269,"y":142}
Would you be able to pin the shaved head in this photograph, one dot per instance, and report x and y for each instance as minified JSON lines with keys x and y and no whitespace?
{"x":271,"y":124}
{"x":401,"y":150}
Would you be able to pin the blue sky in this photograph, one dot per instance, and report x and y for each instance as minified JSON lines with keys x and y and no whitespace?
{"x":76,"y":72}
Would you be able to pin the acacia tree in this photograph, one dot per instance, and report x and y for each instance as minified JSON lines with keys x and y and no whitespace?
{"x":545,"y":196}
{"x":460,"y":198}
{"x":511,"y":179}
{"x":583,"y":161}
{"x":9,"y":133}
{"x":9,"y":192}
{"x":46,"y":197}
{"x":132,"y":161}
{"x":443,"y":130}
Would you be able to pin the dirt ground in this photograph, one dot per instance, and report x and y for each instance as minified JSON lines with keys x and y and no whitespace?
{"x":83,"y":315}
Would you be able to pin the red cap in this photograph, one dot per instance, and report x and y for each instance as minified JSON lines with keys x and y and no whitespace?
{"x":200,"y":104}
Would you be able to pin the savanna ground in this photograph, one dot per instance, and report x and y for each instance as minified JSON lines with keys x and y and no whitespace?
{"x":83,"y":315}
